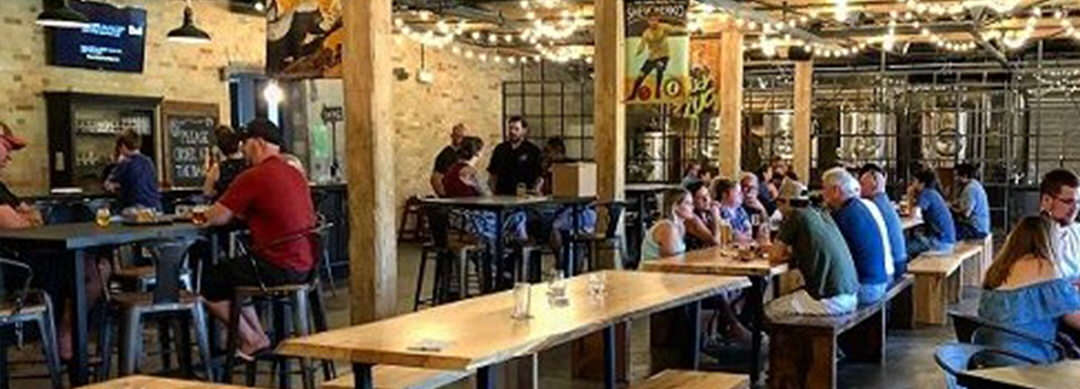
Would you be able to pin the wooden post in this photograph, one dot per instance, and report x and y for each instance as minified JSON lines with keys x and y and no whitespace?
{"x":609,"y":131}
{"x":730,"y":101}
{"x":370,"y":141}
{"x":804,"y":93}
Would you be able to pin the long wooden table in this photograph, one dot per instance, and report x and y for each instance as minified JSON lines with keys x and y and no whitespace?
{"x":718,"y":261}
{"x":1056,"y":375}
{"x":478,"y":333}
{"x":909,"y":222}
{"x":147,"y":382}
{"x":73,"y":240}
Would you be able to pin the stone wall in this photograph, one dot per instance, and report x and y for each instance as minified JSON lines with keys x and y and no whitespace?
{"x":177,"y":72}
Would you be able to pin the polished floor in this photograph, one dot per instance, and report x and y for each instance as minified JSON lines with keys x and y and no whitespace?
{"x":910,"y":354}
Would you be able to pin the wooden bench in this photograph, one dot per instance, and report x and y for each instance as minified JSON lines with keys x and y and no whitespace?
{"x":974,"y":271}
{"x":400,"y":377}
{"x":938,"y":279}
{"x":802,"y":349}
{"x":685,"y":379}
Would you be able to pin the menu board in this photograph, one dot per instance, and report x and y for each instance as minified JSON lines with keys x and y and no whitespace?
{"x":190,"y":136}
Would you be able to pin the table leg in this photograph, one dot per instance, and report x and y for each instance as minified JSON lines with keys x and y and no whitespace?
{"x":362,"y":376}
{"x":693,"y":347}
{"x":757,"y":312}
{"x":571,"y":253}
{"x":78,"y":369}
{"x":495,"y":281}
{"x":4,"y":376}
{"x":609,"y":357}
{"x":485,"y":377}
{"x":639,"y":239}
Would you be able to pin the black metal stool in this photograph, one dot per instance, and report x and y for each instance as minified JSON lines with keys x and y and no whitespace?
{"x":22,"y":313}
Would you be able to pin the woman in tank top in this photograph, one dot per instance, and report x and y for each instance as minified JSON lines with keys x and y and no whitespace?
{"x":665,"y":238}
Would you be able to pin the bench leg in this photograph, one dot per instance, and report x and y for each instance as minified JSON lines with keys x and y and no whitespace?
{"x":930,"y":299}
{"x":866,"y":341}
{"x":954,"y":286}
{"x":901,"y":313}
{"x":973,"y":270}
{"x":693,"y":336}
{"x":802,"y":361}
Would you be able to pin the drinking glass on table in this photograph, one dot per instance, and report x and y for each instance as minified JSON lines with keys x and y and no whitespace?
{"x":556,"y":283}
{"x":198,"y":214}
{"x":103,"y":217}
{"x":522,"y":300}
{"x":597,"y":283}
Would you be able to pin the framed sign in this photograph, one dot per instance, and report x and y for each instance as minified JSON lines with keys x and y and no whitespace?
{"x":189,"y":139}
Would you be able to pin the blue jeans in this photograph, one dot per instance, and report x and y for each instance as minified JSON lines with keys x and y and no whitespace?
{"x":871,"y":293}
{"x":966,"y":231}
{"x":920,"y":243}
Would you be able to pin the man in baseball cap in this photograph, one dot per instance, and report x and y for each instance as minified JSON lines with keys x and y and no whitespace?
{"x":810,"y":240}
{"x":14,"y":213}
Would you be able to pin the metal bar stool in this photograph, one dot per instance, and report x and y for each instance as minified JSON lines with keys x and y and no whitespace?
{"x":39,"y":313}
{"x":295,"y":310}
{"x":169,"y":304}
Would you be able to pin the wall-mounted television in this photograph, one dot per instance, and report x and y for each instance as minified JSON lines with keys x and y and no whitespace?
{"x":114,"y":40}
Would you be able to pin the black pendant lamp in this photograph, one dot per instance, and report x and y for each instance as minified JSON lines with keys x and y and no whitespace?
{"x":59,"y":14}
{"x":187,"y":32}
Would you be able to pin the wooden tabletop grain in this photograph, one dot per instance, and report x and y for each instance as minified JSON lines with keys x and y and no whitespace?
{"x":683,"y":379}
{"x":147,"y":382}
{"x":908,"y":222}
{"x":716,"y":261}
{"x":649,"y":187}
{"x":1056,"y":375}
{"x":479,"y":332}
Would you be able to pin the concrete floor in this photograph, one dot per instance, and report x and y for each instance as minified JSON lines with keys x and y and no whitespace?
{"x":910,"y":354}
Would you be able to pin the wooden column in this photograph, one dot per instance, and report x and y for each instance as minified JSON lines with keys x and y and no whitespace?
{"x":609,"y":112}
{"x":369,"y":162}
{"x":730,"y":101}
{"x":609,"y":131}
{"x":804,"y":93}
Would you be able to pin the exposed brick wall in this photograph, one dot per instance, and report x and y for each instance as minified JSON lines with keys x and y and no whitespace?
{"x":176,"y":71}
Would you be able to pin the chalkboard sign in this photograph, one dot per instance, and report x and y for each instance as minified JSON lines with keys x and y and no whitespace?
{"x":190,"y":136}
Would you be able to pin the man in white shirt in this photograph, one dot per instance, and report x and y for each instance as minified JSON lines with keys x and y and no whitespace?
{"x":1057,"y":201}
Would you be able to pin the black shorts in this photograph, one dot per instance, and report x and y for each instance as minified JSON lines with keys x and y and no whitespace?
{"x":220,"y":281}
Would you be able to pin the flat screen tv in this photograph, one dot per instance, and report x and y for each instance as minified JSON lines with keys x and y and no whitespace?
{"x":114,"y":40}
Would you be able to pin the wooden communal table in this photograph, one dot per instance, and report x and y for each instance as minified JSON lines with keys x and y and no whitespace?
{"x":640,"y":192}
{"x":909,"y":222}
{"x":147,"y":382}
{"x":1055,"y":375}
{"x":477,"y":333}
{"x":502,"y":206}
{"x":73,"y":240}
{"x":718,"y":261}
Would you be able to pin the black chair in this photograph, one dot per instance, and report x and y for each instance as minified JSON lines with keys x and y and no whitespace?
{"x":169,"y":305}
{"x":304,"y":302}
{"x":965,"y":326}
{"x":954,"y":358}
{"x":40,"y":312}
{"x":610,"y":239}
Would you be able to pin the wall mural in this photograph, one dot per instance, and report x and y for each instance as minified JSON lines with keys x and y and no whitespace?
{"x":303,"y":39}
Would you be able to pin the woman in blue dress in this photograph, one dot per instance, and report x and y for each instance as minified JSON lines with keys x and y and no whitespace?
{"x":1024,"y":292}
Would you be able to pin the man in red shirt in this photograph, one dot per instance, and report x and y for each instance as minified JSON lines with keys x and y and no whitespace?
{"x":273,"y":198}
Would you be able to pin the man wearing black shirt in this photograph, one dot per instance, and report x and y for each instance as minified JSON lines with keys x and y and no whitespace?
{"x":446,"y":158}
{"x":515,"y":161}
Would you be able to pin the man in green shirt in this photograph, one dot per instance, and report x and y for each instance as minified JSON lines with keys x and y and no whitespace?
{"x":810,"y":240}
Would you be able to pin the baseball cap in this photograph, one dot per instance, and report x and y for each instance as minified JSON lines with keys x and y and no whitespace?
{"x":792,"y":190}
{"x":12,"y":142}
{"x":262,"y":128}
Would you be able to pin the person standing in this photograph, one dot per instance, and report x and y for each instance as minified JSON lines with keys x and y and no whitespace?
{"x":225,"y":171}
{"x":810,"y":240}
{"x":517,"y":161}
{"x":972,"y":208}
{"x":446,"y":158}
{"x":863,"y":230}
{"x":274,"y":198}
{"x":939,"y":231}
{"x":134,"y":179}
{"x":872,"y":187}
{"x":1058,"y":196}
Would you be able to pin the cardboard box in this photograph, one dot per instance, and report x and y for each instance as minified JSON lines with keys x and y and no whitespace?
{"x":573,"y":179}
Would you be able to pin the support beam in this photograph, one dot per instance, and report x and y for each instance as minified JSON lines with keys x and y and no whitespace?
{"x":804,"y":93}
{"x":370,"y":163}
{"x":730,"y":101}
{"x":609,"y":112}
